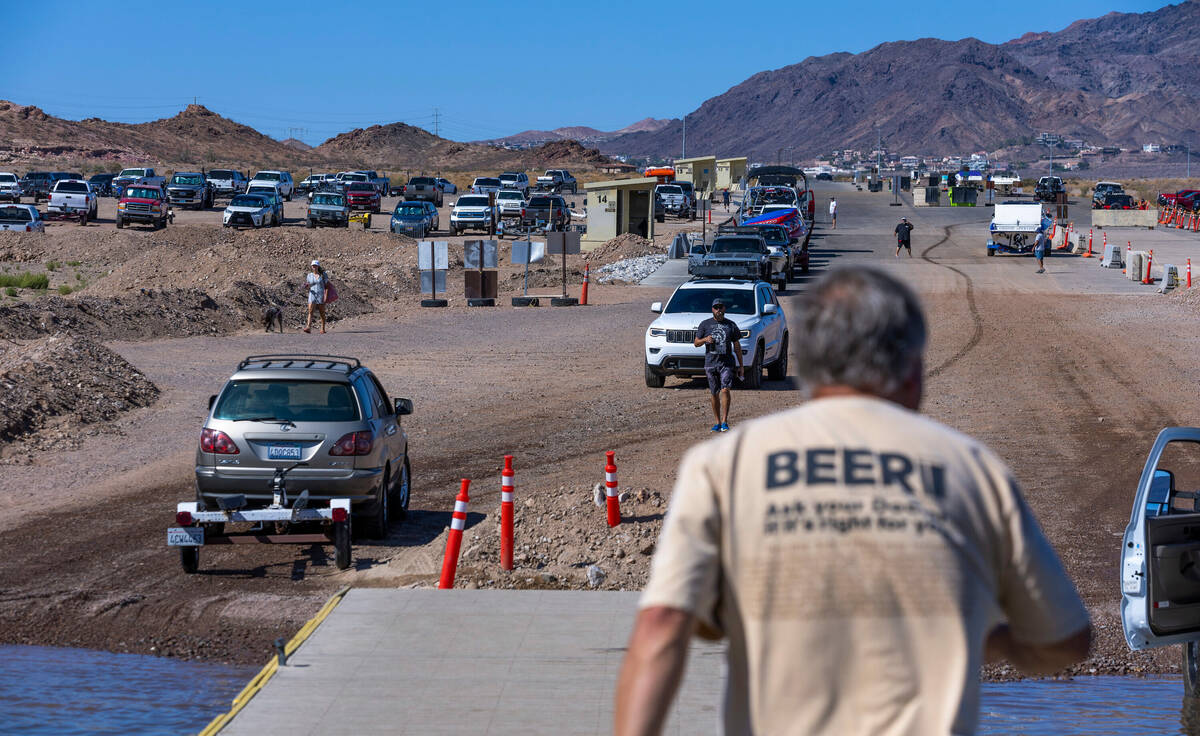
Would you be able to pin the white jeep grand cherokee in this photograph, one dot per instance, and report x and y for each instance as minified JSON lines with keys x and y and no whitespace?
{"x":751,"y":305}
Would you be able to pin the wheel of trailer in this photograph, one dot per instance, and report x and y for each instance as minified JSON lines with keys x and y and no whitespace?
{"x":341,"y":544}
{"x":990,"y":252}
{"x":753,"y":372}
{"x":402,"y":492}
{"x":653,"y":379}
{"x":375,"y":524}
{"x":189,"y":557}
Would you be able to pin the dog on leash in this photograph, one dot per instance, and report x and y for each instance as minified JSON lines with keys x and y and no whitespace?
{"x":270,"y":316}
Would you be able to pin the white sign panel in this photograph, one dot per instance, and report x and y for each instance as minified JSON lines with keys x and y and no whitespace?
{"x":526,"y":252}
{"x":560,"y":243}
{"x":433,"y":255}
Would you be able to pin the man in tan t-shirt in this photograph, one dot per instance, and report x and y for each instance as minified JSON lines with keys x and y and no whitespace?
{"x":861,"y":560}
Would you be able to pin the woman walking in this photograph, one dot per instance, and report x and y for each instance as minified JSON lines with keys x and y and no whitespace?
{"x":318,"y":290}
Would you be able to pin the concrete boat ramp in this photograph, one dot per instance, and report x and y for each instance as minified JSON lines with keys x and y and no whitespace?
{"x":386,"y":661}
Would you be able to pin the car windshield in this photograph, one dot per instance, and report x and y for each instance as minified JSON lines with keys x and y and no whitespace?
{"x":143,"y":193}
{"x":267,"y":176}
{"x":509,"y":177}
{"x":264,"y":191}
{"x":775,"y":236}
{"x":737,"y":301}
{"x":15,"y":214}
{"x":136,"y":173}
{"x":97,"y":177}
{"x":248,"y":200}
{"x":409,"y":210}
{"x":472,"y":202}
{"x":487,"y":182}
{"x":685,"y":186}
{"x":542,"y":201}
{"x":335,"y":200}
{"x":354,"y":177}
{"x":291,"y":401}
{"x":362,"y":186}
{"x":510,"y":194}
{"x":736,"y":245}
{"x":71,"y":186}
{"x":670,"y":190}
{"x":221,"y":174}
{"x":195,"y":179}
{"x":428,"y":181}
{"x":9,"y":177}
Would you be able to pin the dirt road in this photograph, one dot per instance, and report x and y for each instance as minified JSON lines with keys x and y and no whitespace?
{"x":1067,"y":375}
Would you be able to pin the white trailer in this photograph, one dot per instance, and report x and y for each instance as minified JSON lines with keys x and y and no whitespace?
{"x":1014,"y":227}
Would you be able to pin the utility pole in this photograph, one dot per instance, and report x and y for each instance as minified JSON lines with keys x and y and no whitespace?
{"x":437,"y":119}
{"x":683,"y":152}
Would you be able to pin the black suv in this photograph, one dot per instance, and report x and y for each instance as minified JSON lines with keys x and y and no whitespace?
{"x":102,"y":184}
{"x":1048,"y":188}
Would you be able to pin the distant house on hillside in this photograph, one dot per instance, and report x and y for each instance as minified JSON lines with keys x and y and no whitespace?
{"x":1151,"y":148}
{"x":617,"y":167}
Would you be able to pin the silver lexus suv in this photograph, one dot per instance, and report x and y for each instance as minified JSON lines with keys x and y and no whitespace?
{"x":328,"y":414}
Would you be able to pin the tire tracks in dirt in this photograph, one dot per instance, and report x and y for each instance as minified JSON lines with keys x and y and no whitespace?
{"x":976,"y":318}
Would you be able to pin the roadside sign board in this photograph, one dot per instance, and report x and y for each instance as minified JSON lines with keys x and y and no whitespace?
{"x":527,"y":252}
{"x":558,"y":244}
{"x":433,"y":255}
{"x":472,"y":250}
{"x":427,"y":282}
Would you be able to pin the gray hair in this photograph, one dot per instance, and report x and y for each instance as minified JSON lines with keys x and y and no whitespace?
{"x":859,"y":327}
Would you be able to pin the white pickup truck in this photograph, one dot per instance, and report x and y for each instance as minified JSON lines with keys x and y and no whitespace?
{"x":71,"y":196}
{"x":10,"y":187}
{"x":22,"y":218}
{"x":1014,"y":227}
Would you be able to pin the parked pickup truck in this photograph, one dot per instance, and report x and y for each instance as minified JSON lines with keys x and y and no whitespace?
{"x":383,"y":184}
{"x":547,"y":208}
{"x":128,"y":176}
{"x":738,"y":256}
{"x":144,"y":201}
{"x":22,"y":218}
{"x":282,"y":179}
{"x":674,"y":200}
{"x":423,"y":188}
{"x":557,"y":180}
{"x":226,"y":182}
{"x":37,"y":184}
{"x":328,"y":208}
{"x":10,"y":187}
{"x":71,"y":196}
{"x":190,"y":189}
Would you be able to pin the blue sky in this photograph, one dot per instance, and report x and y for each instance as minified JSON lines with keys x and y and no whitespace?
{"x":314,"y":69}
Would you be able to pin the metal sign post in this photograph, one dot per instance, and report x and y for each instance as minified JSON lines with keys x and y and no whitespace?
{"x":563,"y":243}
{"x":527,"y":252}
{"x":433,"y":259}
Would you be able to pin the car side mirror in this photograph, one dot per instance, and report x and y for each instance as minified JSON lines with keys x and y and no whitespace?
{"x":211,"y":400}
{"x":656,"y":307}
{"x":769,"y":309}
{"x":404,"y":407}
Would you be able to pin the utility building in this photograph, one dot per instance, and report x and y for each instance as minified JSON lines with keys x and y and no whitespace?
{"x":730,"y":172}
{"x":617,"y":207}
{"x":701,"y":172}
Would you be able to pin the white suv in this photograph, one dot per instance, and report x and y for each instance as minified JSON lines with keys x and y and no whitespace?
{"x":750,"y":304}
{"x":282,"y":178}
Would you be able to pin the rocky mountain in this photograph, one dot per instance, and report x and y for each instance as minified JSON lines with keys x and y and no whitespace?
{"x":581,"y":133}
{"x":1119,"y":79}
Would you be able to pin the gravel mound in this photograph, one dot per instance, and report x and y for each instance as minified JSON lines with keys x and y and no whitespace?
{"x":626,"y":245}
{"x":630,"y":270}
{"x":562,"y":541}
{"x":63,"y":383}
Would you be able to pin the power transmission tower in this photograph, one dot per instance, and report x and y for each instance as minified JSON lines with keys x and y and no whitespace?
{"x":437,"y":119}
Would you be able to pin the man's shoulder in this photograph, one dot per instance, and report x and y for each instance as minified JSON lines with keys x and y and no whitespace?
{"x":707,"y":322}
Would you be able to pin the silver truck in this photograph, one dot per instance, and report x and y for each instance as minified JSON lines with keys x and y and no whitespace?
{"x":423,"y":188}
{"x":740,"y":256}
{"x":190,"y":189}
{"x":328,"y":208}
{"x":557,"y":181}
{"x":227,"y":182}
{"x":674,"y":200}
{"x":21,"y":218}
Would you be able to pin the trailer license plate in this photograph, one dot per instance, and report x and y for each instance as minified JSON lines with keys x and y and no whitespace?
{"x":185,"y":536}
{"x":283,"y":452}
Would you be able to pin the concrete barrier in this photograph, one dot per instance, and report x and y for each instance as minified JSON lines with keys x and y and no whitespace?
{"x":1137,"y":261}
{"x":1124,"y":218}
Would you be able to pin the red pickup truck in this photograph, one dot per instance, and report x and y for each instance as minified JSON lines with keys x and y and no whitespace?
{"x":362,"y":195}
{"x":144,"y":202}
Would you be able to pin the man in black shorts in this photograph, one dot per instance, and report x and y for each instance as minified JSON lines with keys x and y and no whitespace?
{"x":720,"y":338}
{"x":904,"y":236}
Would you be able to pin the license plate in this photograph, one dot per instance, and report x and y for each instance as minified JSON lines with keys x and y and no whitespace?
{"x":185,"y":536}
{"x":283,"y":452}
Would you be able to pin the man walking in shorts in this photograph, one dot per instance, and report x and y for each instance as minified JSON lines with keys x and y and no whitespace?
{"x":904,"y":236}
{"x":861,"y":560}
{"x":720,"y":338}
{"x":833,"y":212}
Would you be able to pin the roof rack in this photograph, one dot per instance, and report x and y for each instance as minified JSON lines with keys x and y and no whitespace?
{"x":301,"y":360}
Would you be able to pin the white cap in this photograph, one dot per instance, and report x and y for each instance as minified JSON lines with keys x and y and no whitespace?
{"x":315,"y":262}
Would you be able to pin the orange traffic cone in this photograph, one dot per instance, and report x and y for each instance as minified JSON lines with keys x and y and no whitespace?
{"x":1148,"y":279}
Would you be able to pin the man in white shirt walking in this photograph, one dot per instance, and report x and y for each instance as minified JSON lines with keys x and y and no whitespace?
{"x":833,"y":212}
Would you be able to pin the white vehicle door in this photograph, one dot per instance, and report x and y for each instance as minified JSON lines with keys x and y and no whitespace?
{"x":1160,"y":551}
{"x":770,"y":323}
